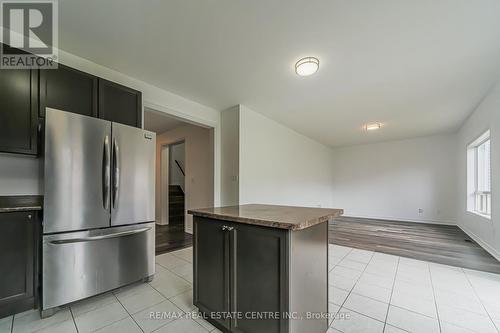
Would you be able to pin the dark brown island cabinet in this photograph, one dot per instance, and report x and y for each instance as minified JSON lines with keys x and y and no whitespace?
{"x":19,"y":243}
{"x":262,"y":268}
{"x":26,"y":93}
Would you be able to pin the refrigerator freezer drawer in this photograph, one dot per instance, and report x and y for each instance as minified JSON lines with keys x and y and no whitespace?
{"x":81,"y":264}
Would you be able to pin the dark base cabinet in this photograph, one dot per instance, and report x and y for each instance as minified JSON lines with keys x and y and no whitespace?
{"x":19,"y":235}
{"x":251,"y":279}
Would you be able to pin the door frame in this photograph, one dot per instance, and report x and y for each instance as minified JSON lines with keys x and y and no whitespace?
{"x":165,"y":180}
{"x":195,"y":120}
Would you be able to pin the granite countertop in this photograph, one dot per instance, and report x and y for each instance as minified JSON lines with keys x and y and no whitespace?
{"x":19,"y":203}
{"x":281,"y":217}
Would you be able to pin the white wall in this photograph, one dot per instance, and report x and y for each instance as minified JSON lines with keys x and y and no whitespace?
{"x":199,"y":164}
{"x":486,"y":116}
{"x":230,"y":163}
{"x":280,"y":166}
{"x":393,"y":180}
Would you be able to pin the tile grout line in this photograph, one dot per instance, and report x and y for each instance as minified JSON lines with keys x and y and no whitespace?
{"x":435,"y":301}
{"x":350,"y":292}
{"x":127,"y":313}
{"x":54,"y":324}
{"x":74,"y":321}
{"x":373,"y":285}
{"x":191,"y":264}
{"x":343,"y":257}
{"x":114,"y":322}
{"x":480,"y":300}
{"x":340,"y":307}
{"x":392,"y":291}
{"x":168,"y":299}
{"x":169,"y":269}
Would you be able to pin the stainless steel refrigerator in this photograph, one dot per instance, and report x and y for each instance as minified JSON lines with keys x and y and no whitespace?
{"x":99,"y":207}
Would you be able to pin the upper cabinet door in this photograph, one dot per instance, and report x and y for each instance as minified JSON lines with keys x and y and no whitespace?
{"x":69,"y":90}
{"x":120,"y":104}
{"x":18,"y":111}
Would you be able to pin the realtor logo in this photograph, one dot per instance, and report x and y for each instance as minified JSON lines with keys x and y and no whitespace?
{"x":29,"y":34}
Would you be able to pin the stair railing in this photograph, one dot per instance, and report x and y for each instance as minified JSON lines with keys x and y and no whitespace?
{"x":180,"y":168}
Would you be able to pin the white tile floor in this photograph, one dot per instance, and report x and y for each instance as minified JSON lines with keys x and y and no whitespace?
{"x":127,"y":310}
{"x":369,"y":292}
{"x":375,"y":292}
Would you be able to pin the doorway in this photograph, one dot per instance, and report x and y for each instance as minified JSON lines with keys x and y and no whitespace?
{"x":184,"y":176}
{"x":171,"y":227}
{"x":176,"y":184}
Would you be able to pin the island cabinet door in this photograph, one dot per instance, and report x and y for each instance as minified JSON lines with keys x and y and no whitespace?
{"x":259,"y":279}
{"x":211,"y":270}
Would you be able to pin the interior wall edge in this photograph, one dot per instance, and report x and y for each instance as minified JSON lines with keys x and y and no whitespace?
{"x":490,"y":249}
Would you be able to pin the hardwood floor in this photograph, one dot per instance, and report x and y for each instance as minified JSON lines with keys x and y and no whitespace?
{"x":172,"y":237}
{"x":442,"y":244}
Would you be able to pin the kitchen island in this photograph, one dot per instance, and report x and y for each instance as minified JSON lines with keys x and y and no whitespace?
{"x":262,"y":268}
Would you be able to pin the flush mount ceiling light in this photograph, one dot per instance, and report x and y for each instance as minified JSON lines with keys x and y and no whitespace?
{"x":372,"y":126}
{"x":307,"y":66}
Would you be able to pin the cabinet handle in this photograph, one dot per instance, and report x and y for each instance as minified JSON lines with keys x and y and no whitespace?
{"x":227,"y":228}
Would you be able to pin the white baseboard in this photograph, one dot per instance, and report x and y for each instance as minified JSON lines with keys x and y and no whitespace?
{"x":490,"y":249}
{"x":393,"y":218}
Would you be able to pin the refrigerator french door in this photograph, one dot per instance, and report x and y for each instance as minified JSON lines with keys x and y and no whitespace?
{"x":133,"y":190}
{"x":98,"y":224}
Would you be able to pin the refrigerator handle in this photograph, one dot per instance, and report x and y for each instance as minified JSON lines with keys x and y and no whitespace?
{"x":116,"y":171}
{"x":100,"y":237}
{"x":106,"y":170}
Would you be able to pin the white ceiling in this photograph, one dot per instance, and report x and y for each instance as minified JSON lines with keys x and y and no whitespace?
{"x":160,"y":123}
{"x":418,"y":66}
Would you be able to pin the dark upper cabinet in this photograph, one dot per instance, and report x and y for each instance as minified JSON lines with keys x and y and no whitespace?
{"x":120,"y":104}
{"x":25,"y":93}
{"x":18,"y":111}
{"x":69,"y":90}
{"x":18,"y":249}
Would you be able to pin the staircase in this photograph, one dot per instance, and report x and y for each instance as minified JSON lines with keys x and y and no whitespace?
{"x":175,"y":205}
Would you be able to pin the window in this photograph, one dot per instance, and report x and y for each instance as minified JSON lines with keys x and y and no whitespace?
{"x":479,"y":176}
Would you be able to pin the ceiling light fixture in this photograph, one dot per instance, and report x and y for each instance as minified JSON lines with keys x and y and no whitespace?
{"x":307,"y":66}
{"x":372,"y":126}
